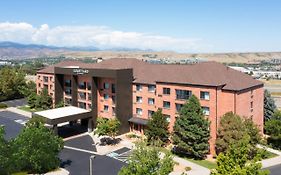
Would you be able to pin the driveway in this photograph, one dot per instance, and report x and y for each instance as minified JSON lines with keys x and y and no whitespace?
{"x":275,"y":170}
{"x":16,"y":103}
{"x":12,"y":122}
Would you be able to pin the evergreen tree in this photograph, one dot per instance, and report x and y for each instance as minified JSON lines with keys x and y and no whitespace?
{"x":44,"y":100}
{"x":157,"y":129}
{"x":191,"y":130}
{"x":269,"y":106}
{"x":231,"y":129}
{"x":236,"y":160}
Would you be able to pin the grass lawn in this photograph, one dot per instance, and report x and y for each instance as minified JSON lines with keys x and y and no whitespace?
{"x":20,"y":173}
{"x":205,"y":163}
{"x":28,"y":109}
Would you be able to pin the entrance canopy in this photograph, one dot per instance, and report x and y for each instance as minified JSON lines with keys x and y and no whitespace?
{"x":64,"y":114}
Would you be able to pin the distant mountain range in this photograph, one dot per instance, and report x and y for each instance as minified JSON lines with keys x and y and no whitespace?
{"x":13,"y":50}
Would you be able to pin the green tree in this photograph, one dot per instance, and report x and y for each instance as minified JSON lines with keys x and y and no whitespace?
{"x":11,"y":81}
{"x":107,"y":127}
{"x":60,"y":104}
{"x":6,"y":162}
{"x":28,"y":89}
{"x":146,"y":160}
{"x":269,"y":106}
{"x":44,"y":100}
{"x":157,"y":128}
{"x":31,"y":100}
{"x":273,"y":129}
{"x":231,"y":129}
{"x":37,"y":148}
{"x":236,"y":160}
{"x":191,"y":130}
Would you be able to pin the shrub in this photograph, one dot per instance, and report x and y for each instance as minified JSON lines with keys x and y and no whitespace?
{"x":3,"y":105}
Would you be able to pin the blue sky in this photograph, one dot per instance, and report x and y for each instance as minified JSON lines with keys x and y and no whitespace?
{"x":178,"y":25}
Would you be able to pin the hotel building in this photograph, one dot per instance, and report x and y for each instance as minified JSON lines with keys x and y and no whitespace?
{"x":132,"y":90}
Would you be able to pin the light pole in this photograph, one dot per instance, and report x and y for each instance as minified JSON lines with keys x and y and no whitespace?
{"x":91,"y":164}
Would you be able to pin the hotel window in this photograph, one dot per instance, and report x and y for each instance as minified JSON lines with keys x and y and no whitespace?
{"x":67,"y":101}
{"x":89,"y":96}
{"x":89,"y":85}
{"x":46,"y":79}
{"x":90,"y":106}
{"x":45,"y":87}
{"x":206,"y":110}
{"x":183,"y":94}
{"x":178,"y":107}
{"x":252,"y":104}
{"x":51,"y":86}
{"x":166,"y":91}
{"x":39,"y":77}
{"x":139,"y":99}
{"x":82,"y":105}
{"x":139,"y":111}
{"x":82,"y":85}
{"x":39,"y":85}
{"x":166,"y":104}
{"x":139,"y":87}
{"x":151,"y":101}
{"x":106,"y":96}
{"x":51,"y":78}
{"x":113,"y":88}
{"x":204,"y":95}
{"x":82,"y":95}
{"x":67,"y":91}
{"x":113,"y":111}
{"x":105,"y":108}
{"x":113,"y":99}
{"x":168,"y":117}
{"x":67,"y":83}
{"x":151,"y":88}
{"x":106,"y":85}
{"x":150,"y":113}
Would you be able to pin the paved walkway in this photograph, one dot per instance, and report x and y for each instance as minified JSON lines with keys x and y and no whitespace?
{"x":272,"y":161}
{"x":19,"y":111}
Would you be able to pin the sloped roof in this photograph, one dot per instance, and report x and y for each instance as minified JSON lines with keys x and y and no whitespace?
{"x":204,"y":73}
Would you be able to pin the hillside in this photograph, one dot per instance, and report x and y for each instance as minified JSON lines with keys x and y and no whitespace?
{"x":10,"y":50}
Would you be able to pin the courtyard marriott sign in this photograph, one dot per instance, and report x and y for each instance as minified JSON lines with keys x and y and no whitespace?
{"x":80,"y":71}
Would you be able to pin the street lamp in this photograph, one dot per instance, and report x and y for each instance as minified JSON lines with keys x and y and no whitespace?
{"x":91,"y":164}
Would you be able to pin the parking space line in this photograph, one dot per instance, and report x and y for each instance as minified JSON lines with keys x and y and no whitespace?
{"x":81,"y":150}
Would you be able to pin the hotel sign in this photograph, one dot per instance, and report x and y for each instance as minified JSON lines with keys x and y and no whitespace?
{"x":80,"y":71}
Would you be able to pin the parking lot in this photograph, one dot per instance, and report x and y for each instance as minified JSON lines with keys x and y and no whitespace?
{"x":75,"y":157}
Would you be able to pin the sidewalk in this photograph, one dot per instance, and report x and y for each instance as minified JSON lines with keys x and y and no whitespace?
{"x":19,"y":111}
{"x":195,"y":169}
{"x":272,"y":161}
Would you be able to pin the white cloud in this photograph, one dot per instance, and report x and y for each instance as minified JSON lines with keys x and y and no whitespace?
{"x":97,"y":36}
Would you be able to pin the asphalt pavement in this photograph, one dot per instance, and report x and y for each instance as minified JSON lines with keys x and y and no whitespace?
{"x":16,"y":103}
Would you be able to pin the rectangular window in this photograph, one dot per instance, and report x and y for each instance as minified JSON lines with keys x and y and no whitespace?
{"x":67,"y":91}
{"x":113,"y":111}
{"x":82,"y":105}
{"x":182,"y":94}
{"x":150,"y":113}
{"x":139,"y":87}
{"x":151,"y":88}
{"x":46,"y":79}
{"x":89,"y":96}
{"x":51,"y":78}
{"x":106,"y":96}
{"x":89,"y":106}
{"x":113,"y":88}
{"x":178,"y":107}
{"x":139,"y":111}
{"x":139,"y":99}
{"x":106,"y":85}
{"x":168,"y":117}
{"x":45,"y":86}
{"x":82,"y":85}
{"x":105,"y":108}
{"x":166,"y":104}
{"x":113,"y":99}
{"x":204,"y":95}
{"x":67,"y":83}
{"x":151,"y":101}
{"x":67,"y":101}
{"x":89,"y":85}
{"x":82,"y":95}
{"x":166,"y":91}
{"x":252,"y":104}
{"x":206,"y":110}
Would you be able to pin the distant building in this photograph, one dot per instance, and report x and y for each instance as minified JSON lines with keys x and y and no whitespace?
{"x":132,"y":90}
